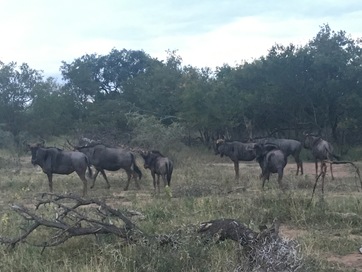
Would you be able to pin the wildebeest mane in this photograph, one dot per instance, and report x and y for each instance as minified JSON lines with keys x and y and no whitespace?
{"x":157,"y":153}
{"x":50,"y":147}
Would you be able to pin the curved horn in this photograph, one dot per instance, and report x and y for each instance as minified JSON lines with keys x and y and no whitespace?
{"x":220,"y":141}
{"x":42,"y":142}
{"x":70,"y":143}
{"x":73,"y":146}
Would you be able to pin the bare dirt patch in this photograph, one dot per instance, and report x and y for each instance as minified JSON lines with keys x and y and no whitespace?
{"x":339,"y":171}
{"x":353,"y":260}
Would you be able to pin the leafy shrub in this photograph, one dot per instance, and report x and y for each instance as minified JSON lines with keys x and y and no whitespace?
{"x":6,"y":139}
{"x":149,"y":132}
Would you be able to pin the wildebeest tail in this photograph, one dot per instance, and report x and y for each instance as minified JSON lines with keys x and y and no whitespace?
{"x":90,"y":172}
{"x":330,"y":154}
{"x":169,"y":169}
{"x":135,"y":167}
{"x":336,"y":157}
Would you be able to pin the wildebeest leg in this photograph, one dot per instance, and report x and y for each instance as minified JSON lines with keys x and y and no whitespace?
{"x":129,"y":176}
{"x":164,"y":180}
{"x":236,"y":167}
{"x":94,"y":178}
{"x":154,"y":180}
{"x":280,"y":177}
{"x":84,"y":185}
{"x":158,"y":183}
{"x":316,"y":168}
{"x":323,"y":172}
{"x":50,"y":181}
{"x":299,"y":165}
{"x":330,"y":166}
{"x":81,"y":175}
{"x":105,"y":177}
{"x":265,"y":177}
{"x":136,"y":180}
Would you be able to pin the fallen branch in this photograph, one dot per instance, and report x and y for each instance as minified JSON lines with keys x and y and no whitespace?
{"x":74,"y":216}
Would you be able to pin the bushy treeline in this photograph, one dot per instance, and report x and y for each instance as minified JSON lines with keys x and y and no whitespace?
{"x":315,"y":87}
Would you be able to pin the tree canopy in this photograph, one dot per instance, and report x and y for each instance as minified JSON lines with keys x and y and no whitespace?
{"x":314,"y":87}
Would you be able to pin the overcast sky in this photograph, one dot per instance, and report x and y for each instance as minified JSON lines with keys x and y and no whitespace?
{"x":42,"y":33}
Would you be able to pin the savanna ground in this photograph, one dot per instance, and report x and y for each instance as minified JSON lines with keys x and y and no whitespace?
{"x":329,"y":231}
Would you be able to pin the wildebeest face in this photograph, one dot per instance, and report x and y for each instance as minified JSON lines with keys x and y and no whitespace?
{"x":147,"y":159}
{"x":258,"y":150}
{"x":217,"y":145}
{"x":308,"y":141}
{"x":35,"y":157}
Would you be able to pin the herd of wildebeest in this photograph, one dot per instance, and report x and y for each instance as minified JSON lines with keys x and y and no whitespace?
{"x":270,"y":153}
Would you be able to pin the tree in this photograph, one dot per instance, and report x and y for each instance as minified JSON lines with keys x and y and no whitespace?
{"x":94,"y":76}
{"x":156,"y":91}
{"x":53,"y":110}
{"x":197,"y":100}
{"x":334,"y":76}
{"x":98,"y":83}
{"x":16,"y":91}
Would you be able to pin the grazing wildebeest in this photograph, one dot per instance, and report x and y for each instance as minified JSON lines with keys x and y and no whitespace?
{"x":111,"y":159}
{"x":159,"y":165}
{"x":236,"y":151}
{"x":289,"y":147}
{"x":321,"y":150}
{"x":56,"y":161}
{"x":271,"y":160}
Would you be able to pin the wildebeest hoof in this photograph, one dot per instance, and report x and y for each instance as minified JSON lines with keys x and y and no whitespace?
{"x":125,"y":189}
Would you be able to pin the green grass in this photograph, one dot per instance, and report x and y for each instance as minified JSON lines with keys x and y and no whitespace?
{"x":203,"y":188}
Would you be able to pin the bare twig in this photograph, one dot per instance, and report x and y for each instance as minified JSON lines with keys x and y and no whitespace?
{"x":324,"y":170}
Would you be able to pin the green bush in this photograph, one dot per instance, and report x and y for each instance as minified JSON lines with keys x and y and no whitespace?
{"x":149,"y":132}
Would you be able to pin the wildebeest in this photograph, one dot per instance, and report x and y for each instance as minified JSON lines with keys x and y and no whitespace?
{"x":321,"y":150}
{"x":236,"y":151}
{"x":289,"y":147}
{"x":159,"y":165}
{"x":271,"y":160}
{"x":56,"y":161}
{"x":110,"y":159}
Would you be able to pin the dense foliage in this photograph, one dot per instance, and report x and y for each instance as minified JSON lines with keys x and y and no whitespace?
{"x":315,"y":87}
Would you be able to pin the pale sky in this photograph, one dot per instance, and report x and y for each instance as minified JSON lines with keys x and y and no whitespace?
{"x":42,"y":33}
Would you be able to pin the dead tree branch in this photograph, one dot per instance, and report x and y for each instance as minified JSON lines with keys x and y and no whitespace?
{"x":324,"y":171}
{"x":74,"y":216}
{"x":264,"y":251}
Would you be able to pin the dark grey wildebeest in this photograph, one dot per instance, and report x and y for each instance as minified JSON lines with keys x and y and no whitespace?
{"x":321,"y":150}
{"x":56,"y":161}
{"x":236,"y":151}
{"x":111,"y":159}
{"x":159,"y":166}
{"x":271,"y":160}
{"x":289,"y":147}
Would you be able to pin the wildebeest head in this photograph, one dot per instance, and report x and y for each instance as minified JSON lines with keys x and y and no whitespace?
{"x":36,"y":154}
{"x":217,"y":145}
{"x":149,"y":158}
{"x":310,"y":140}
{"x":262,"y":149}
